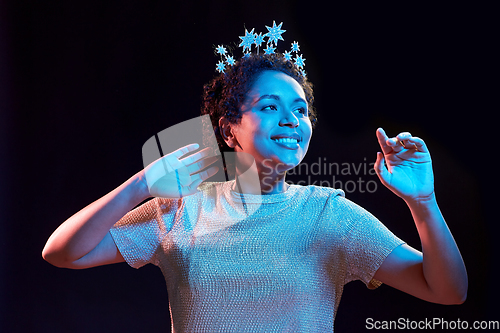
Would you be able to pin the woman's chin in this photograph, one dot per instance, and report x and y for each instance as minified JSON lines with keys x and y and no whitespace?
{"x":281,"y":166}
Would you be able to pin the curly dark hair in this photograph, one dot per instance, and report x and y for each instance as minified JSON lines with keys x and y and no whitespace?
{"x":225,"y":94}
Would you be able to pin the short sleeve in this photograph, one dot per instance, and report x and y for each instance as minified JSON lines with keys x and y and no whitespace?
{"x":140,"y":232}
{"x":367,"y":242}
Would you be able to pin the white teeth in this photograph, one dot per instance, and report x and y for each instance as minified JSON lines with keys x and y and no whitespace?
{"x":286,"y":140}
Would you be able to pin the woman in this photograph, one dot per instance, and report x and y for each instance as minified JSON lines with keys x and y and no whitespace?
{"x":282,"y":265}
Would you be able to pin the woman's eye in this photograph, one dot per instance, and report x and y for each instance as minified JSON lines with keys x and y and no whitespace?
{"x":302,"y":111}
{"x":269,"y":108}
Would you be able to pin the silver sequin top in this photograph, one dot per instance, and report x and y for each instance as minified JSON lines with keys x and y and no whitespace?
{"x":271,"y":263}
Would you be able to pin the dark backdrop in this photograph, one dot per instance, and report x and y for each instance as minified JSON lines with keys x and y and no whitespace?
{"x":84,"y":85}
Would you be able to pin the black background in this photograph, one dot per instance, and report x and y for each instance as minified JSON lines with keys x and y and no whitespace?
{"x":84,"y":85}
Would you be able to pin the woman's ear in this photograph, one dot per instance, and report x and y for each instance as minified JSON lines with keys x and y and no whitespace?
{"x":226,"y":131}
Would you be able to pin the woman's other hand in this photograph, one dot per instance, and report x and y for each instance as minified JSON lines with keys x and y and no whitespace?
{"x":408,"y":167}
{"x":173,"y":176}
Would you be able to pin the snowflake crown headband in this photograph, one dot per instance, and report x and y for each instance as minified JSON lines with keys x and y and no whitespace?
{"x":250,"y":39}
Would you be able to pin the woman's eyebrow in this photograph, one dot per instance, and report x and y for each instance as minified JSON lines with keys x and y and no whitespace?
{"x":276,"y":97}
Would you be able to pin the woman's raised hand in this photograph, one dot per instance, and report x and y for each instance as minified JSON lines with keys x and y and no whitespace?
{"x":172,"y":176}
{"x":408,"y":167}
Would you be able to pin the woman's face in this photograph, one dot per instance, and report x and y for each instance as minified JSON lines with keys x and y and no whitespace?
{"x":275,"y":127}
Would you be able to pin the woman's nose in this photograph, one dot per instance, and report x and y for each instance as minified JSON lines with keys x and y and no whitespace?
{"x":289,"y":119}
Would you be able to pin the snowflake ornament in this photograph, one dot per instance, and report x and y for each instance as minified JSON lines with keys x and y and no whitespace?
{"x":221,"y":50}
{"x":299,"y":61}
{"x":259,"y":39}
{"x":287,"y":55}
{"x":220,"y":67}
{"x":230,"y":60}
{"x":251,"y":38}
{"x":247,"y":40}
{"x":274,"y":33}
{"x":269,"y":49}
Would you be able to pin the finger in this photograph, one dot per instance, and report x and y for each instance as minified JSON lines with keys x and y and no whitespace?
{"x":381,"y":169}
{"x":395,"y":144}
{"x":417,"y":144}
{"x":197,"y":156}
{"x":382,"y":140}
{"x":411,"y":142}
{"x":196,"y":180}
{"x":205,"y":174}
{"x":184,"y":150}
{"x":402,"y":138}
{"x":173,"y":158}
{"x":196,"y":167}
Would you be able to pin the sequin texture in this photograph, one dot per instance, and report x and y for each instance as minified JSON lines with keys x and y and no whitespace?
{"x":280,"y":269}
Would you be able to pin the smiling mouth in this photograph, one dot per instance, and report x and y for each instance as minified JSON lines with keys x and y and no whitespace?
{"x":285,"y":140}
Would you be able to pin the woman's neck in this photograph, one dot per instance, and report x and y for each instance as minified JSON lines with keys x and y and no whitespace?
{"x":257,"y":178}
{"x":273,"y":185}
{"x":265,"y":184}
